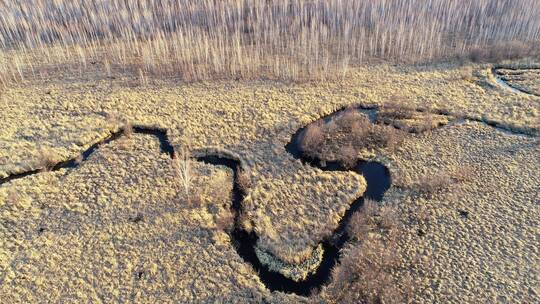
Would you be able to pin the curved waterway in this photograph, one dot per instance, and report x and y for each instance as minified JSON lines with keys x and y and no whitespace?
{"x":377,"y":177}
{"x":499,"y":78}
{"x":378,"y":181}
{"x":244,"y":242}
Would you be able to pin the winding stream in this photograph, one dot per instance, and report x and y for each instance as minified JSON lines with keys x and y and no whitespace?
{"x":244,"y":242}
{"x":503,"y":83}
{"x":376,"y":175}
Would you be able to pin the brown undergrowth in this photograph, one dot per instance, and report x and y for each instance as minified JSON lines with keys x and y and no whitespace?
{"x":351,"y":135}
{"x":347,"y":137}
{"x":409,"y":119}
{"x":364,"y":274}
{"x":439,"y":182}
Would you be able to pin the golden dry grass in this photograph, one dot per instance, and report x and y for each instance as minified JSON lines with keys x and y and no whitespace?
{"x":182,"y":254}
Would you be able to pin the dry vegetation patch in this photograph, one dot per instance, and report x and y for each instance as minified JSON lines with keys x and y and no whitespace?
{"x":183,"y":254}
{"x":526,"y":80}
{"x":291,"y":214}
{"x":347,"y":137}
{"x":364,"y":273}
{"x":405,"y":118}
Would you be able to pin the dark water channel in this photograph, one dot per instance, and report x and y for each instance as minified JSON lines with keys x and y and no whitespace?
{"x":378,"y":181}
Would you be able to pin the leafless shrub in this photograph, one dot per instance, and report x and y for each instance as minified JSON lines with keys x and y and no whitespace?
{"x":331,"y":127}
{"x":348,"y":156}
{"x":372,"y":217}
{"x":182,"y":167}
{"x":225,"y":221}
{"x":363,"y":221}
{"x":364,"y":275}
{"x":388,"y":218}
{"x":500,"y":51}
{"x":243,"y":181}
{"x":478,"y":54}
{"x":365,"y":272}
{"x":349,"y":117}
{"x":396,"y":110}
{"x":312,"y":139}
{"x":346,"y":135}
{"x":360,"y":129}
{"x":431,"y":184}
{"x":390,"y":137}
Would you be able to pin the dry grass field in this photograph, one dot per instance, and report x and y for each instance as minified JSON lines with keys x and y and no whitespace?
{"x":445,"y":96}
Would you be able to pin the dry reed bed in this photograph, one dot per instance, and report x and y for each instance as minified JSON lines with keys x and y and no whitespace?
{"x":286,"y":39}
{"x":467,"y":193}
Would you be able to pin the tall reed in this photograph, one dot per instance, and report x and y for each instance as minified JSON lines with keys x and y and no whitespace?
{"x":285,"y":39}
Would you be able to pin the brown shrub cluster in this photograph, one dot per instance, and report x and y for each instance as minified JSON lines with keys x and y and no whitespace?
{"x":345,"y":136}
{"x":502,"y":51}
{"x":312,"y":139}
{"x":405,"y":118}
{"x":225,"y":221}
{"x":431,"y":184}
{"x":243,"y":181}
{"x":365,"y":272}
{"x":396,"y":110}
{"x":372,"y":218}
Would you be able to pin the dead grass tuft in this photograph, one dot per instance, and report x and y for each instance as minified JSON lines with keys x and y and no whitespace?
{"x":181,"y":164}
{"x":128,"y":129}
{"x":13,"y":197}
{"x":47,"y":159}
{"x":463,"y":174}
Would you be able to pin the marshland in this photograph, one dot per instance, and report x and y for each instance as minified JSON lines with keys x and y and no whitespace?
{"x":288,"y":151}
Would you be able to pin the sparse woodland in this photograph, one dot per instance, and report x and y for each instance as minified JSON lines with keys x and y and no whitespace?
{"x":285,"y":39}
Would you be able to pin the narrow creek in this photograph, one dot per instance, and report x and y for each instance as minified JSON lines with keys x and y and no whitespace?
{"x":377,"y":177}
{"x":244,"y":242}
{"x":505,"y":84}
{"x":378,"y":181}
